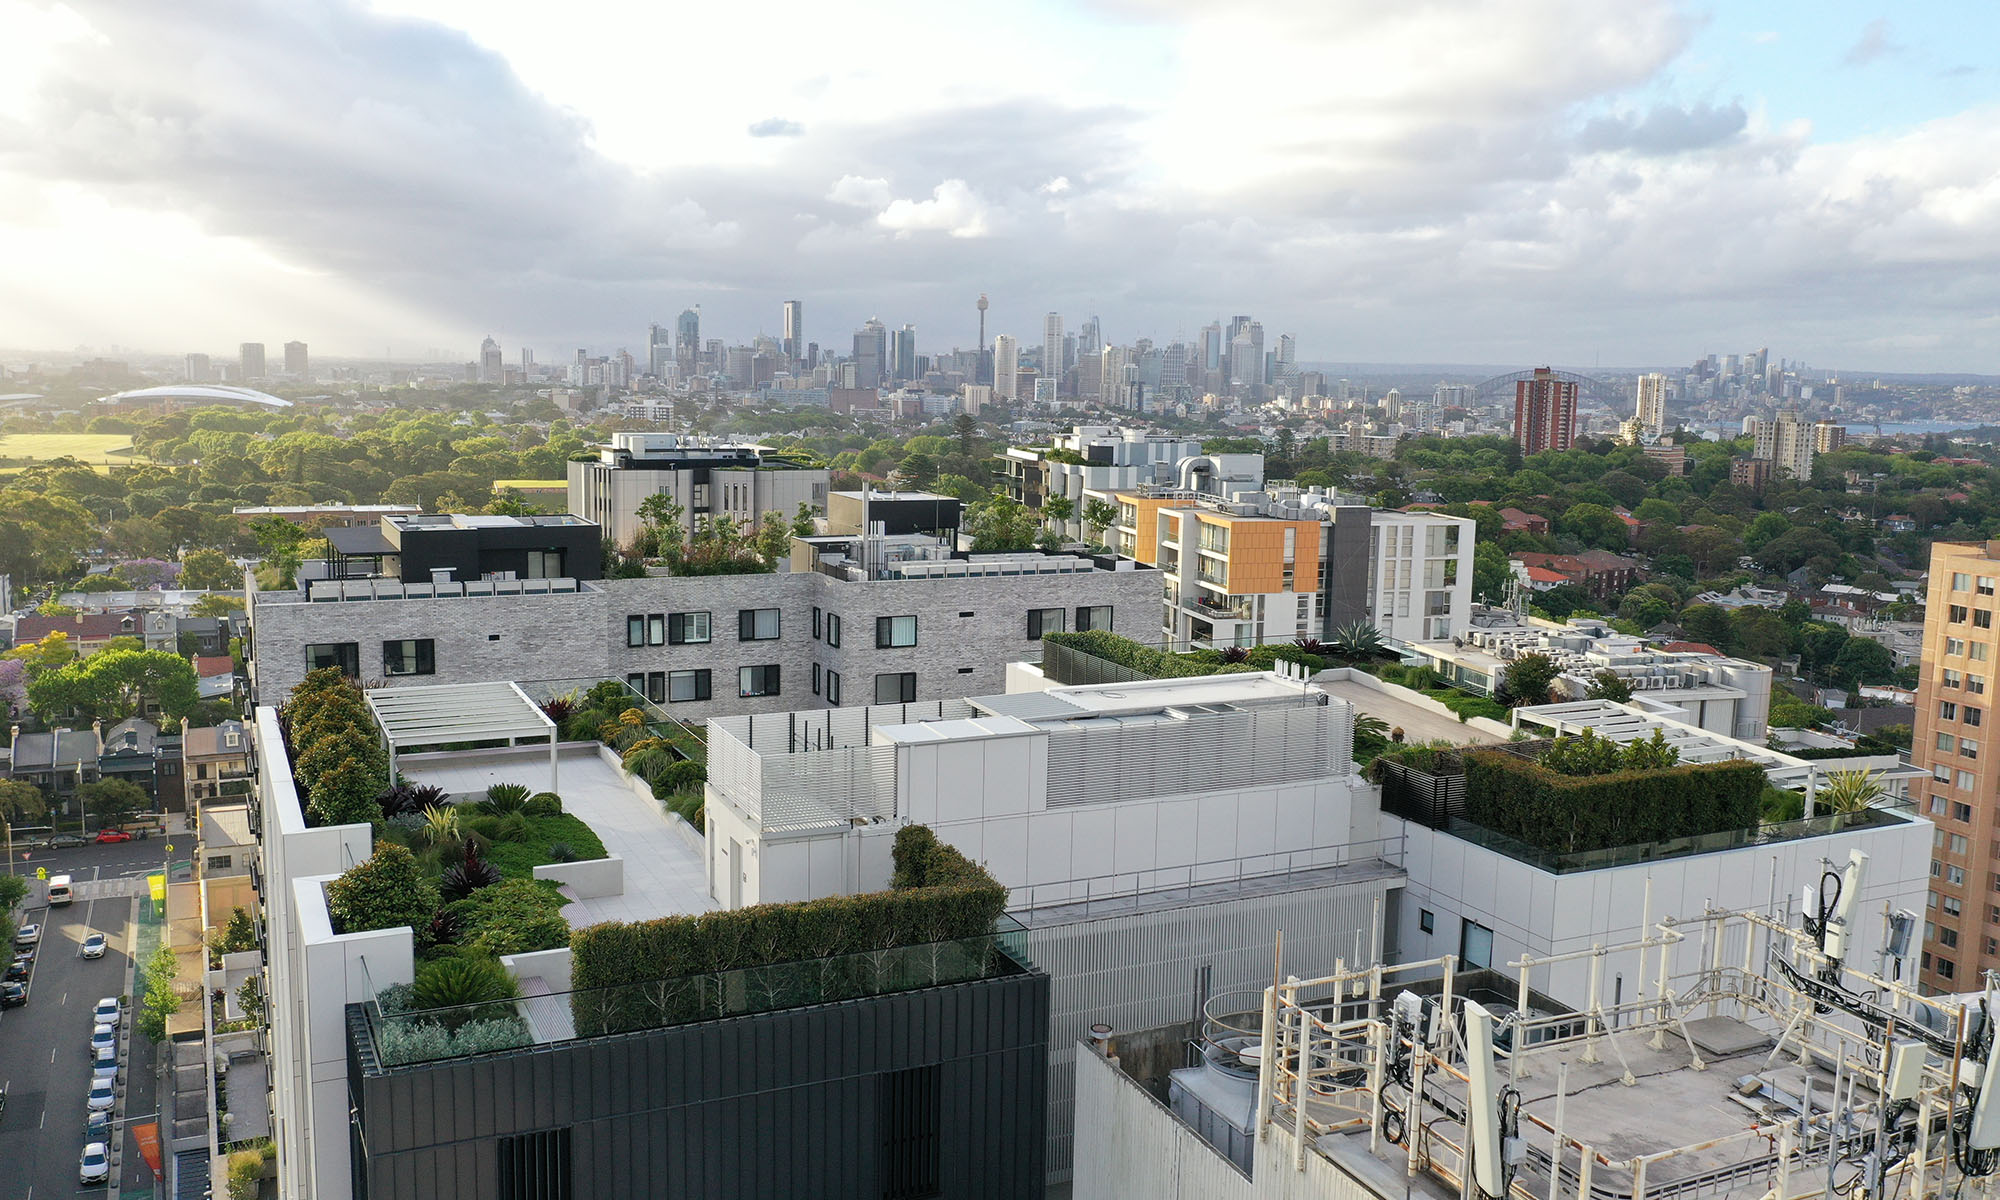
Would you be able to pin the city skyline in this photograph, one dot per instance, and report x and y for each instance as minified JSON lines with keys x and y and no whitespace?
{"x":1695,"y":174}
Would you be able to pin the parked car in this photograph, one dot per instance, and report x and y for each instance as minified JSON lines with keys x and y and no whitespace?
{"x":105,"y":1065}
{"x":107,"y":1011}
{"x":97,"y":1127}
{"x":102,"y":1036}
{"x":93,"y":946}
{"x":65,"y":841}
{"x":18,"y":971}
{"x":101,"y":1097}
{"x":13,"y":995}
{"x":113,"y":835}
{"x":96,"y":1164}
{"x":26,"y":936}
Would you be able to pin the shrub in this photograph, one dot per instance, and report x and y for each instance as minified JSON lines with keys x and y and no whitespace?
{"x":462,"y":984}
{"x":406,"y":798}
{"x":543,"y":804}
{"x":504,"y":798}
{"x":385,"y":892}
{"x":512,"y":917}
{"x":1422,"y":679}
{"x":682,"y":776}
{"x":1529,"y":802}
{"x":467,"y":875}
{"x":345,"y":794}
{"x":515,"y":827}
{"x":518,"y":859}
{"x":1529,"y":678}
{"x":691,"y":807}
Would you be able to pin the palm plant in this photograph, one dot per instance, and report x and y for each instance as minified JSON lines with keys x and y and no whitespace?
{"x":504,"y":798}
{"x":457,"y":983}
{"x":409,"y":798}
{"x":1849,"y":791}
{"x":1367,"y":728}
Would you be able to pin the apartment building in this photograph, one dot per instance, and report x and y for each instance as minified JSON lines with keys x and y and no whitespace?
{"x":1790,"y":443}
{"x":744,"y":482}
{"x":1094,"y":462}
{"x":1272,"y":566}
{"x":858,"y":617}
{"x":1961,"y":650}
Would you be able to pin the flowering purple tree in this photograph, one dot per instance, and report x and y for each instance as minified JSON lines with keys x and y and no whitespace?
{"x":13,"y":686}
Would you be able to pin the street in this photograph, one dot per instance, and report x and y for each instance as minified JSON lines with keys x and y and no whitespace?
{"x":44,"y":1045}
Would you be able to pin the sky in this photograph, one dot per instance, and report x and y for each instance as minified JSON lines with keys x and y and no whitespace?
{"x":1476,"y":181}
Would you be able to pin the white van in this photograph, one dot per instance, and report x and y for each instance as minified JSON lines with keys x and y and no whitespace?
{"x":59,"y":890}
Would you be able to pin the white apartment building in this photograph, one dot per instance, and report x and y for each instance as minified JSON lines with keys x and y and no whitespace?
{"x":1420,"y":575}
{"x":709,"y":479}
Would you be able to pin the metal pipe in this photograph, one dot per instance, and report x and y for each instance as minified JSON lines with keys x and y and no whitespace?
{"x":1590,"y":1021}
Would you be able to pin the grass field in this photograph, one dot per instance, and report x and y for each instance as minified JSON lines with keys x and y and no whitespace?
{"x":100,"y":448}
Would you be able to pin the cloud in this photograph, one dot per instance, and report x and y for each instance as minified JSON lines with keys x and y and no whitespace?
{"x":776,"y":127}
{"x":1664,"y":129}
{"x":953,"y":208}
{"x":862,"y":193}
{"x":1873,"y":44}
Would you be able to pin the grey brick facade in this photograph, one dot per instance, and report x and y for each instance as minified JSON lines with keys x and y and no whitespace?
{"x":968,"y":630}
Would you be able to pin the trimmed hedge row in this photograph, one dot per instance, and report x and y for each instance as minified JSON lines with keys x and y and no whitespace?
{"x":1161,"y":664}
{"x":1528,"y":802}
{"x":938,"y":896}
{"x":337,"y":754}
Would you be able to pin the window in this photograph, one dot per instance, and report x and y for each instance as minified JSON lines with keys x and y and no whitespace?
{"x":417,"y":656}
{"x":1954,"y":876}
{"x":757,"y":625}
{"x":1977,"y":651}
{"x":1976,"y":684}
{"x":1956,"y":613}
{"x":1426,"y":920}
{"x":1044,"y":620}
{"x":1947,"y":711}
{"x":652,"y":685}
{"x":1093,"y":616}
{"x":1973,"y":716}
{"x":833,"y":688}
{"x":1967,"y":748}
{"x":1958,"y":843}
{"x":1952,"y":905}
{"x":535,"y":1166}
{"x":891,"y":632}
{"x":832,"y":630}
{"x":545,"y":564}
{"x":1945,"y":967}
{"x":1985,"y":585}
{"x":815,"y":679}
{"x":757,"y":681}
{"x":345,"y":655}
{"x":1961,"y":812}
{"x":1475,"y":945}
{"x":1954,"y":645}
{"x":218,"y":862}
{"x":687,"y":685}
{"x":816,"y":623}
{"x":1952,"y":678}
{"x":1961,"y":582}
{"x":1946,"y":742}
{"x":898,"y":688}
{"x":912,"y":1133}
{"x":688,"y":628}
{"x":635,"y":629}
{"x":1966,"y":782}
{"x":1982,"y":618}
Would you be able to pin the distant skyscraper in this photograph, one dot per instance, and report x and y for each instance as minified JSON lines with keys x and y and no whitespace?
{"x":903,"y":355}
{"x":296,"y":364}
{"x":985,"y":372}
{"x":1287,"y":360}
{"x":659,"y":349}
{"x":1089,"y":339}
{"x":1649,"y":416}
{"x":687,"y":340}
{"x":527,"y":362}
{"x":1544,"y":412}
{"x":871,"y":351}
{"x":1006,"y":366}
{"x":795,"y":326}
{"x":492,"y":364}
{"x":250,"y":360}
{"x":1246,"y":360}
{"x":196,"y":368}
{"x":1052,"y":348}
{"x":1211,"y":347}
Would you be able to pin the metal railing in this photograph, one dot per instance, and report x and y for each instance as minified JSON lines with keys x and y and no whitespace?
{"x":1166,"y":883}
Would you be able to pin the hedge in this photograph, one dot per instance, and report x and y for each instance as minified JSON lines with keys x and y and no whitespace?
{"x":1519,"y":798}
{"x":1161,"y":664}
{"x":938,"y":896}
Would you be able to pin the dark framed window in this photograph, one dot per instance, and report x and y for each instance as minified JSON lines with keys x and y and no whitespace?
{"x":1426,"y":920}
{"x":815,"y":679}
{"x":1475,"y":945}
{"x":689,"y":628}
{"x":414,"y":656}
{"x":650,"y":684}
{"x":535,"y":1166}
{"x":345,"y":655}
{"x":1044,"y":620}
{"x":912,"y":1133}
{"x":832,"y":630}
{"x":687,"y":685}
{"x":816,"y":623}
{"x":635,"y":629}
{"x":757,"y":681}
{"x":833,"y":688}
{"x":757,"y":625}
{"x":1093,"y":616}
{"x":896,"y":688}
{"x":891,"y":632}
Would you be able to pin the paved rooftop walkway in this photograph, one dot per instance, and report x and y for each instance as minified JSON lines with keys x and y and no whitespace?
{"x":1419,"y":724}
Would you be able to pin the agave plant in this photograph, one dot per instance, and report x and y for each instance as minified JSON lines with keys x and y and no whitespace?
{"x":1357,"y":640}
{"x":1849,"y":791}
{"x":468,"y":875}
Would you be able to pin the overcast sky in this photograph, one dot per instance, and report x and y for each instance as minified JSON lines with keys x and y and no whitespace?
{"x":1497,"y":181}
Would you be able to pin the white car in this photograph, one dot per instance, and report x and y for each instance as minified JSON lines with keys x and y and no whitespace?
{"x":26,"y":936}
{"x":101,"y":1096}
{"x":105,"y":1065}
{"x":102,"y":1037}
{"x":93,"y":946}
{"x":96,"y":1164}
{"x":107,"y":1011}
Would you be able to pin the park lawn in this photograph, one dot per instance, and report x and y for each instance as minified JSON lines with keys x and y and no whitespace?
{"x":102,"y":448}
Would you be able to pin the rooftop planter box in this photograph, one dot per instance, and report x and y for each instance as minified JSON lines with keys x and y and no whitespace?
{"x":1521,"y":799}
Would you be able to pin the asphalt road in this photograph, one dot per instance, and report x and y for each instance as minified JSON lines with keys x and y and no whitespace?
{"x":45,"y":1045}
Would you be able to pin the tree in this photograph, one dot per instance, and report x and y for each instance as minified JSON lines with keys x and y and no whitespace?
{"x":385,"y":892}
{"x":345,"y":793}
{"x":1057,"y":510}
{"x":917,"y":470}
{"x":1099,"y":515}
{"x":1609,"y":686}
{"x":1594,"y":525}
{"x":283,"y":547}
{"x":210,"y":569}
{"x":52,"y":652}
{"x":774,"y":539}
{"x":1529,"y":679}
{"x":998,"y":524}
{"x":239,"y":935}
{"x":802,"y":521}
{"x":1490,"y":572}
{"x":111,"y":683}
{"x":216,"y":606}
{"x":965,"y":428}
{"x":113,"y":801}
{"x":1708,"y":623}
{"x":1866,"y":660}
{"x":21,"y":801}
{"x":161,"y":1001}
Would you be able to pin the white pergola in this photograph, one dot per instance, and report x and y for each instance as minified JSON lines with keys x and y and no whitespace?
{"x":417,"y":717}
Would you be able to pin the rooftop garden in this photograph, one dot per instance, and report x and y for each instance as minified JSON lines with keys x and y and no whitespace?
{"x":1099,"y":656}
{"x":669,"y":757}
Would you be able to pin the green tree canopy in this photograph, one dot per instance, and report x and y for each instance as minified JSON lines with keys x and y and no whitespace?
{"x":110,"y":684}
{"x":113,"y":801}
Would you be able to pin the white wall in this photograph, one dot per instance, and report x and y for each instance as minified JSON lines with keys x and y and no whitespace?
{"x":1531,"y":911}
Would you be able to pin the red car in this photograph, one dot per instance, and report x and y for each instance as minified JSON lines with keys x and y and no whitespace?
{"x":113,"y":835}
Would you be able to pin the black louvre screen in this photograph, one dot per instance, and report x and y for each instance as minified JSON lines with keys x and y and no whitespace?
{"x":535,"y":1166}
